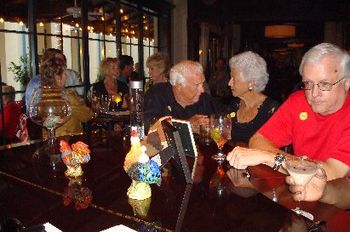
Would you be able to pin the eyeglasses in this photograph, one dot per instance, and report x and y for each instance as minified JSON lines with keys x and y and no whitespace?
{"x":323,"y":85}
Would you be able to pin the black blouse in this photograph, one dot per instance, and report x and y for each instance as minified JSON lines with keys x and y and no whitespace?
{"x":99,"y":89}
{"x":244,"y":131}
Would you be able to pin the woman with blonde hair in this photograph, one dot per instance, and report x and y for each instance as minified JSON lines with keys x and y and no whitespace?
{"x":158,"y":68}
{"x":110,"y":85}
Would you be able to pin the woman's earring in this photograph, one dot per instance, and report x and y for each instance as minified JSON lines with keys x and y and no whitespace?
{"x":250,"y":88}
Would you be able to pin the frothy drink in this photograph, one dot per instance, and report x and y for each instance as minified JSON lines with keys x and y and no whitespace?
{"x":301,"y":170}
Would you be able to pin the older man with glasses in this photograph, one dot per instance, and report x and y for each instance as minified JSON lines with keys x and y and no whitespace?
{"x":315,"y":120}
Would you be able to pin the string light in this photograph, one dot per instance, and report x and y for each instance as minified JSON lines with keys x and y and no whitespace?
{"x":2,"y":20}
{"x":21,"y":23}
{"x":41,"y":24}
{"x":121,"y":11}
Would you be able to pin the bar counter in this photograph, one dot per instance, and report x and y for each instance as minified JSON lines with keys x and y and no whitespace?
{"x":220,"y":199}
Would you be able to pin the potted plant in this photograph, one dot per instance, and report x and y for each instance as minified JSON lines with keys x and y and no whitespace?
{"x":21,"y":70}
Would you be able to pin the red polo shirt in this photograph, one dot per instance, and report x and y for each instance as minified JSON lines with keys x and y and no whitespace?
{"x":316,"y":136}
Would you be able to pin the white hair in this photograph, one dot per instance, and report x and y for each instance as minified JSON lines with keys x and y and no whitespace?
{"x":316,"y":53}
{"x":180,"y":72}
{"x":253,"y":68}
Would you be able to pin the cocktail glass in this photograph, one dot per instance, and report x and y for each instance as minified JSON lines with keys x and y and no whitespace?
{"x":50,"y":109}
{"x":220,"y":132}
{"x":302,"y":170}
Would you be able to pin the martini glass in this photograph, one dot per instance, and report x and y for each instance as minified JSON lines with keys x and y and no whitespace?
{"x":302,"y":170}
{"x":220,"y":132}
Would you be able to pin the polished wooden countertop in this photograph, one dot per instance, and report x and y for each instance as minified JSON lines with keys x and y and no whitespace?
{"x":220,"y":199}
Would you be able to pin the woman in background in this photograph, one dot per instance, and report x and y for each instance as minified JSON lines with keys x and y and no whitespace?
{"x":53,"y":73}
{"x":158,"y":68}
{"x":12,"y":112}
{"x":110,"y":85}
{"x":251,"y":108}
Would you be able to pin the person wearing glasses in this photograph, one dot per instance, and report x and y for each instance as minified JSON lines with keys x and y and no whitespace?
{"x":315,"y":120}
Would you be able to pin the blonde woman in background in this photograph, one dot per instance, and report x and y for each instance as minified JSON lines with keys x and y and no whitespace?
{"x":158,"y":68}
{"x":110,"y":85}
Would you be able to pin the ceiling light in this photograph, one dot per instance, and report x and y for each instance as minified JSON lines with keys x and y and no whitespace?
{"x":279,"y":31}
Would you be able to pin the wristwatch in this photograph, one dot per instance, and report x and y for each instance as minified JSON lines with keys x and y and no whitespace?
{"x":279,"y":159}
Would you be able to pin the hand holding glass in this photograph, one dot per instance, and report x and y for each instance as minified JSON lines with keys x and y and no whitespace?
{"x":302,"y":170}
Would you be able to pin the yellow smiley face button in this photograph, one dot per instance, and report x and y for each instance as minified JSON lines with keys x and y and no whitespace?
{"x":303,"y":116}
{"x":233,"y":114}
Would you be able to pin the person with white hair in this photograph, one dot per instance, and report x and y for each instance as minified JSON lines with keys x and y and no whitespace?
{"x":183,"y":97}
{"x":250,"y":108}
{"x":315,"y":120}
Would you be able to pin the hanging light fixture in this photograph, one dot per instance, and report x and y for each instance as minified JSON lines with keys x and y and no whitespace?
{"x":279,"y":31}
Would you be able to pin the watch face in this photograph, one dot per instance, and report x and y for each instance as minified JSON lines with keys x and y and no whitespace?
{"x":278,"y":161}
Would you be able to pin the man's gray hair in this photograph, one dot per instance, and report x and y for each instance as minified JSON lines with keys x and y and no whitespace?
{"x":180,"y":72}
{"x":316,"y":53}
{"x":253,"y":68}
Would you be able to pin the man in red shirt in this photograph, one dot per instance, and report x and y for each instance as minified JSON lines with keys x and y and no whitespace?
{"x":316,"y":120}
{"x":11,"y":112}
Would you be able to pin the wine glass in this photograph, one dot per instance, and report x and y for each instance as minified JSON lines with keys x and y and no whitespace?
{"x":94,"y":98}
{"x":50,"y":110}
{"x":220,"y":132}
{"x":105,"y":101}
{"x":302,"y":170}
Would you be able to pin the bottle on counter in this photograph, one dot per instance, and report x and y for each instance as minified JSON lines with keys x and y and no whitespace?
{"x":136,"y":106}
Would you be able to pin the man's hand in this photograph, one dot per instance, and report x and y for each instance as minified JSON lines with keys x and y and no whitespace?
{"x":198,"y":120}
{"x":241,"y":157}
{"x":313,"y":190}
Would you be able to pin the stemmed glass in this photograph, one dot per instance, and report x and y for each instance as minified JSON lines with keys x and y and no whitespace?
{"x":220,"y":132}
{"x":95,"y":102}
{"x":50,"y":112}
{"x":105,"y":101}
{"x":302,"y":170}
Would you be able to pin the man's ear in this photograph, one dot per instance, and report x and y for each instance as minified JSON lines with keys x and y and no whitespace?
{"x":347,"y":83}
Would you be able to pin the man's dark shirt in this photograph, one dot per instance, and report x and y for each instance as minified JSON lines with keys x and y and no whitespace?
{"x":160,"y":101}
